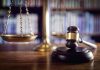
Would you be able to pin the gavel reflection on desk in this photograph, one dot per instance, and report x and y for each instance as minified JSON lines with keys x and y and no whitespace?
{"x":73,"y":53}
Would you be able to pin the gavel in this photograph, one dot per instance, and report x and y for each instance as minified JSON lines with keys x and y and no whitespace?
{"x":73,"y":53}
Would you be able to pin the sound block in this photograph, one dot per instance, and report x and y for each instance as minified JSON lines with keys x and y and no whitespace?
{"x":79,"y":55}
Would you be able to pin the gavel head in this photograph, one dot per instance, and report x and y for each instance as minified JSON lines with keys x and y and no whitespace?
{"x":72,"y":37}
{"x":72,"y":33}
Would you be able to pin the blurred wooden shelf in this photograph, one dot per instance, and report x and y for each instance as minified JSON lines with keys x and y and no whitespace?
{"x":76,"y":9}
{"x":15,"y":9}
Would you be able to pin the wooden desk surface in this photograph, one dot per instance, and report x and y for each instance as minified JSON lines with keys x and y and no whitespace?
{"x":32,"y":60}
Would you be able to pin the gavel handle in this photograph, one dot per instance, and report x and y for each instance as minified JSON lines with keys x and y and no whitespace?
{"x":91,"y":45}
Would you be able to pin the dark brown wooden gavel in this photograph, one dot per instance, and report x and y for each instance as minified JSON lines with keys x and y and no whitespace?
{"x":73,"y":53}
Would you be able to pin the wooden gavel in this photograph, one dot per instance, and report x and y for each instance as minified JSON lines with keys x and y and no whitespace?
{"x":73,"y":53}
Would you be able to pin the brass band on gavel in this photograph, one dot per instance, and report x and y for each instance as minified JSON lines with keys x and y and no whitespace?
{"x":74,"y":36}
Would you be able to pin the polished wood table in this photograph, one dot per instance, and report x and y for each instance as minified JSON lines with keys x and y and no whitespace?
{"x":23,"y":57}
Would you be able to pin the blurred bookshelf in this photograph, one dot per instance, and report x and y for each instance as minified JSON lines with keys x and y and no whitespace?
{"x":35,"y":16}
{"x":85,"y":14}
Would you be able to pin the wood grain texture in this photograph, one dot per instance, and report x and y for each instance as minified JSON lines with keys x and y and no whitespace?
{"x":34,"y":60}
